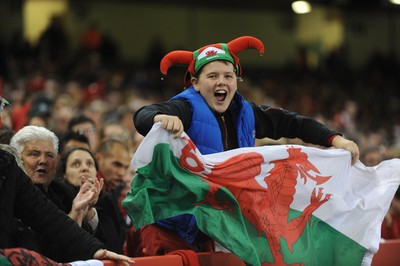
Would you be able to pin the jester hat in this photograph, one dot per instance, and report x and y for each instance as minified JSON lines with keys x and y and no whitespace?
{"x":209,"y":53}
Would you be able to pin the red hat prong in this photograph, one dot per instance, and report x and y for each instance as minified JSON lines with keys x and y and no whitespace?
{"x":178,"y":57}
{"x":242,"y":43}
{"x":245,"y":42}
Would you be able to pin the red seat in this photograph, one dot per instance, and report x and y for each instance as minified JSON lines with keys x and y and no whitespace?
{"x":219,"y":259}
{"x":388,"y":254}
{"x":205,"y":259}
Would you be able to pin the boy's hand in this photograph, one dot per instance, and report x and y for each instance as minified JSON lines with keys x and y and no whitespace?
{"x":170,"y":123}
{"x":341,"y":143}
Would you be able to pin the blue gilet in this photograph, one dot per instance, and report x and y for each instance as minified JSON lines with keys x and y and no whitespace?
{"x":205,"y":132}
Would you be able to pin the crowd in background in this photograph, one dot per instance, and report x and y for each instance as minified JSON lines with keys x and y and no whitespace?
{"x":49,"y":83}
{"x":53,"y":85}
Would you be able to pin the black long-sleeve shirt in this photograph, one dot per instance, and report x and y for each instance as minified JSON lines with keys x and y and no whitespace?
{"x":271,"y":123}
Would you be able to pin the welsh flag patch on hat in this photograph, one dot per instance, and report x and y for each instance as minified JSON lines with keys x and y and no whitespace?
{"x":211,"y":54}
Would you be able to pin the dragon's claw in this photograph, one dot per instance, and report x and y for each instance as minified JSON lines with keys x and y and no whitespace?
{"x":316,"y":197}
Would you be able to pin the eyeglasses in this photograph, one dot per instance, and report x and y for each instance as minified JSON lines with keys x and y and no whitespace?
{"x":84,"y":131}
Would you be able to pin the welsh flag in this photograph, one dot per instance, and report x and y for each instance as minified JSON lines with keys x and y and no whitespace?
{"x":270,"y":205}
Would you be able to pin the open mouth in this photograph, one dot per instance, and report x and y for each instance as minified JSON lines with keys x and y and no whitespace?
{"x":41,"y":171}
{"x":220,"y":95}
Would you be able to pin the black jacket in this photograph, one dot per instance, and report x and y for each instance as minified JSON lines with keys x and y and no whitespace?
{"x":21,"y":199}
{"x":112,"y":229}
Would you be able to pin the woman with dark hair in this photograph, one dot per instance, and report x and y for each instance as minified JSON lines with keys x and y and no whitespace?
{"x":78,"y":165}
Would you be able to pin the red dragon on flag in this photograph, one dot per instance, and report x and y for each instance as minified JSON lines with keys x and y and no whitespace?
{"x":265,"y":206}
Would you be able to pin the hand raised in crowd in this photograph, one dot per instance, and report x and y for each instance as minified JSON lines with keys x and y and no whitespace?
{"x":341,"y":143}
{"x":170,"y":123}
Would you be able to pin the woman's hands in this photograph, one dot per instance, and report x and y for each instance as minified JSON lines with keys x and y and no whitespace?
{"x":94,"y":185}
{"x":341,"y":143}
{"x":86,"y":198}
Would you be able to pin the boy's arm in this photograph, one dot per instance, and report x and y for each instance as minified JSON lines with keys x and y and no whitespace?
{"x":144,"y":118}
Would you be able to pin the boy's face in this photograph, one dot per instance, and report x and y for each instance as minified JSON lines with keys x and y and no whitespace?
{"x":217,"y":83}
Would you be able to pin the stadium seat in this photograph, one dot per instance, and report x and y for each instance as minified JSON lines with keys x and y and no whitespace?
{"x":388,"y":254}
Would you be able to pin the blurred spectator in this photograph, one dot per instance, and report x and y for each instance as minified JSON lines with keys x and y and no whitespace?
{"x":92,"y":38}
{"x":53,"y":45}
{"x":3,"y":62}
{"x":38,"y":120}
{"x":116,"y":130}
{"x":20,"y":111}
{"x":127,"y":180}
{"x":85,"y":126}
{"x":372,"y":156}
{"x":77,"y":92}
{"x":40,"y":112}
{"x":73,"y":139}
{"x":109,"y":50}
{"x":95,"y":110}
{"x":5,"y":118}
{"x":125,"y":118}
{"x":391,"y":222}
{"x":6,"y":134}
{"x":62,"y":112}
{"x":60,"y":119}
{"x":345,"y":120}
{"x":113,"y":157}
{"x":95,"y":43}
